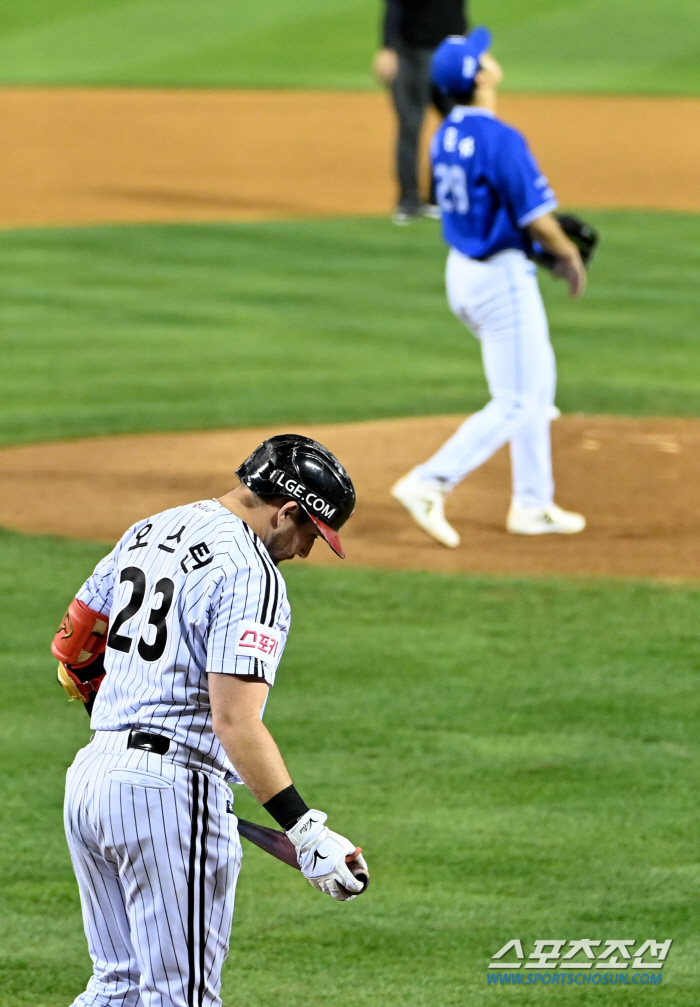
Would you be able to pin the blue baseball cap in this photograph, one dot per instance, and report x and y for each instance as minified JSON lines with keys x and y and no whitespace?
{"x":455,"y":62}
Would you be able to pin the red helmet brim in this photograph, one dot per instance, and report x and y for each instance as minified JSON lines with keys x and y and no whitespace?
{"x":331,"y":536}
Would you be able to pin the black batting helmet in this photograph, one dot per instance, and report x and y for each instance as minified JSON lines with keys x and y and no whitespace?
{"x":296,"y":467}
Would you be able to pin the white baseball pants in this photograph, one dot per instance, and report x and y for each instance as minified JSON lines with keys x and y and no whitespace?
{"x":500,"y":301}
{"x":156,"y":855}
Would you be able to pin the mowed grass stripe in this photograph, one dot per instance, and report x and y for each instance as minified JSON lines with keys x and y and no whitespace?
{"x":128,"y":329}
{"x":645,"y":46}
{"x":518,"y":759}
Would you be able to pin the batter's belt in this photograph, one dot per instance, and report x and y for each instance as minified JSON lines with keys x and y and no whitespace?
{"x":155,"y":744}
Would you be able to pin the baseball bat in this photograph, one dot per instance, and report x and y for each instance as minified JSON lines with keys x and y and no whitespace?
{"x":277,"y":844}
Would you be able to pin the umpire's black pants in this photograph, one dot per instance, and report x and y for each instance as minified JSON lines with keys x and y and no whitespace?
{"x":412,"y":92}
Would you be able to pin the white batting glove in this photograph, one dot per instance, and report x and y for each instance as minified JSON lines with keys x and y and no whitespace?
{"x":321,"y":855}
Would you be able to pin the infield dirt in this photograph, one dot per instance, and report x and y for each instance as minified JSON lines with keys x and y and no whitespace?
{"x":79,"y":156}
{"x":635,"y":480}
{"x":85,"y":156}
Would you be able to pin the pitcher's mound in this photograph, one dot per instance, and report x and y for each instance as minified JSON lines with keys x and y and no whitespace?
{"x":635,"y":480}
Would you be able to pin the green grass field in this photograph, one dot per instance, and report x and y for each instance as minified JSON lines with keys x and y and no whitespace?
{"x":645,"y":46}
{"x":518,"y":759}
{"x":116,"y":329}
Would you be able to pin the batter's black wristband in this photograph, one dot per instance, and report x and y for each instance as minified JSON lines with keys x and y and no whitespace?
{"x":286,"y":807}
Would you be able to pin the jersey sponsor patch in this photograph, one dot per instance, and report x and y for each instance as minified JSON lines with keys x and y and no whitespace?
{"x":208,"y":506}
{"x":255,"y":640}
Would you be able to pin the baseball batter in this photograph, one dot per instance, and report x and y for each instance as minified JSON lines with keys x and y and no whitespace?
{"x":181,"y":629}
{"x":496,"y":205}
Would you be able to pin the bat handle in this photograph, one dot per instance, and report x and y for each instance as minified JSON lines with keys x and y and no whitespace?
{"x":352,"y":856}
{"x":360,"y":873}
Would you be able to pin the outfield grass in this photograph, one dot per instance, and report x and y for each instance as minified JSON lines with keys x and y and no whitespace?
{"x":643,"y":46}
{"x":518,"y":759}
{"x":118,"y":329}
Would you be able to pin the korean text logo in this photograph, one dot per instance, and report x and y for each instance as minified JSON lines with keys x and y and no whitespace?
{"x":578,"y":962}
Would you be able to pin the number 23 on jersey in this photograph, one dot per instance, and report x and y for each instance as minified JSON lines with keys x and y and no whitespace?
{"x":157,"y":616}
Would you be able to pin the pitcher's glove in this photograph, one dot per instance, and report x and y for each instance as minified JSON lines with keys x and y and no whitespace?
{"x":584,"y":236}
{"x":326,"y":858}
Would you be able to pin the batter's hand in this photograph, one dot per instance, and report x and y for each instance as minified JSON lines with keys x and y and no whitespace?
{"x":323,"y":857}
{"x":572,"y":269}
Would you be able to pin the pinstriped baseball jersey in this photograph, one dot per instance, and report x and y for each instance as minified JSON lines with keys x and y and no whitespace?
{"x":189,"y":591}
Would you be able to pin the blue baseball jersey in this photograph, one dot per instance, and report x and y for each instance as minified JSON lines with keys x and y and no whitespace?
{"x":487,"y":183}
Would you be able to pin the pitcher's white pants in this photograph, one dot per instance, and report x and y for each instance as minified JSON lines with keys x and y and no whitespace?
{"x":500,"y":301}
{"x":156,"y":855}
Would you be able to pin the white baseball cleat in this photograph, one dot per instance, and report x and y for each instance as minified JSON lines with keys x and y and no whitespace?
{"x":550,"y":520}
{"x":426,"y":505}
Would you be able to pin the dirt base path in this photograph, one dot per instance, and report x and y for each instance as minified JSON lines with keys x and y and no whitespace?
{"x":84,"y":156}
{"x":636,"y":481}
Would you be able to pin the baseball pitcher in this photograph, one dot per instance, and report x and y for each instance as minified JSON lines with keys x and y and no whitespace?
{"x":174,"y":643}
{"x":497,"y":214}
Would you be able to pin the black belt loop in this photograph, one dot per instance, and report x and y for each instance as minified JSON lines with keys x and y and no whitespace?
{"x":148,"y":742}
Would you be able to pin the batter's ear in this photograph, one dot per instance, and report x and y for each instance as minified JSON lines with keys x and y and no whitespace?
{"x":290,"y":508}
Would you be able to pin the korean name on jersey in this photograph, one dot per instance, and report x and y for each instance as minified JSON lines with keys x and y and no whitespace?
{"x":487,"y":183}
{"x":188,"y":592}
